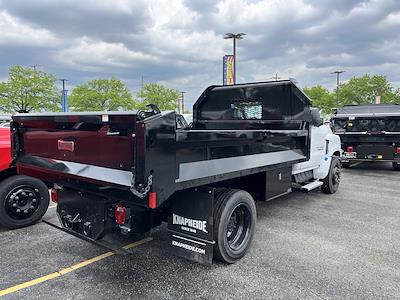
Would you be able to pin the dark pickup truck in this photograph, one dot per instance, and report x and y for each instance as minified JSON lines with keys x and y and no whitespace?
{"x":369,"y":133}
{"x":130,"y":171}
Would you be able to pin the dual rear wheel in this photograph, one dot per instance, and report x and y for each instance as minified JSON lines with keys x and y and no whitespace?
{"x":234,"y":223}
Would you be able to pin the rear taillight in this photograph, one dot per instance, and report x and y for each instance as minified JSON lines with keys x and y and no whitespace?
{"x":54,"y":195}
{"x":120,"y":214}
{"x":398,"y":150}
{"x":349,"y":149}
{"x":152,"y":200}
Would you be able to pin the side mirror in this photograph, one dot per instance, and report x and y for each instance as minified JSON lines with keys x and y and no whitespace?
{"x":316,"y":119}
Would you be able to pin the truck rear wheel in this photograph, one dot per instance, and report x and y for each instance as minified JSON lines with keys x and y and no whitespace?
{"x":234,"y":222}
{"x":332,"y":180}
{"x":396,"y":166}
{"x":23,"y":201}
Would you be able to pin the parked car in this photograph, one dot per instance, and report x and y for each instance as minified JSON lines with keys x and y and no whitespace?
{"x":23,"y":199}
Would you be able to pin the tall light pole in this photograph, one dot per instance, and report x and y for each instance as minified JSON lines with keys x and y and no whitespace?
{"x":234,"y":36}
{"x":337,"y":84}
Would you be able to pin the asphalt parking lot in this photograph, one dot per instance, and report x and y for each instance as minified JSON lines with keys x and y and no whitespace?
{"x":345,"y":245}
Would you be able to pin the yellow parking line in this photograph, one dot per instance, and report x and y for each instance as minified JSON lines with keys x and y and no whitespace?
{"x":68,"y":269}
{"x":137,"y":243}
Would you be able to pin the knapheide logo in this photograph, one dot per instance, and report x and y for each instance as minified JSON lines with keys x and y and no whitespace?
{"x":191,"y":223}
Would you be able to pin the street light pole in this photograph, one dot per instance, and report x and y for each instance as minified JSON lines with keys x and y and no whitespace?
{"x":234,"y":36}
{"x":337,"y":84}
{"x":234,"y":60}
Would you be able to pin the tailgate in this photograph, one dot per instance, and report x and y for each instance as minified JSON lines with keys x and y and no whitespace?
{"x":375,"y":151}
{"x":92,"y":145}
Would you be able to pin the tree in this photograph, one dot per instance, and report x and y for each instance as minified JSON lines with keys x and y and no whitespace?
{"x":102,"y":95}
{"x":321,"y":98}
{"x":29,"y":90}
{"x":165,"y":98}
{"x":362,"y":90}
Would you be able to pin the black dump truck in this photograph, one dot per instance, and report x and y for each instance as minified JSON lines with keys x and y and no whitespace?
{"x":131,"y":171}
{"x":369,"y":133}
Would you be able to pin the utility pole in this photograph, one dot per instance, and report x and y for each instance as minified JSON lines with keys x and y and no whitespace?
{"x":234,"y":36}
{"x":337,"y":84}
{"x":181,"y":107}
{"x":64,"y":97}
{"x":35,"y":66}
{"x":276,"y":77}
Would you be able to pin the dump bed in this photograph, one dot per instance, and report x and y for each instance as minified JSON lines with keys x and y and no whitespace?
{"x":96,"y":146}
{"x":372,"y":119}
{"x":369,"y":131}
{"x":237,"y":131}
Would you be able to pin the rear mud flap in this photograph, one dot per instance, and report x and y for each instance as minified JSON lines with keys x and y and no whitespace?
{"x":191,"y":225}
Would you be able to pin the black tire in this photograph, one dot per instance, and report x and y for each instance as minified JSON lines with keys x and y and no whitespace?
{"x":234,"y":223}
{"x":23,"y":201}
{"x":332,"y":180}
{"x":346,"y":164}
{"x":396,"y":166}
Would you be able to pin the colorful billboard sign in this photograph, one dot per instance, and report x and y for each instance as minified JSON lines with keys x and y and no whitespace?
{"x":228,"y":72}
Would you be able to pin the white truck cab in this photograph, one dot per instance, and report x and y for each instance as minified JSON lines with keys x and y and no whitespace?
{"x":323,"y":168}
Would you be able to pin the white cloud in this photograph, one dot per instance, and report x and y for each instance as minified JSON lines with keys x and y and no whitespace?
{"x":181,"y":42}
{"x":393,"y":19}
{"x":171,"y":14}
{"x":14,"y":31}
{"x":92,"y":55}
{"x":263,"y":15}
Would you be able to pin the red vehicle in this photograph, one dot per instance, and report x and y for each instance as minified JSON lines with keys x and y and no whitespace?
{"x":23,"y":199}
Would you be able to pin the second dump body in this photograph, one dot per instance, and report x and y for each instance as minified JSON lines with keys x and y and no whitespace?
{"x":369,"y":132}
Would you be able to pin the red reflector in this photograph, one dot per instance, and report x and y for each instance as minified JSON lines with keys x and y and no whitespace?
{"x":152,"y":200}
{"x":54,"y":195}
{"x":349,"y":149}
{"x":120,"y":214}
{"x":66,"y":145}
{"x":398,"y":150}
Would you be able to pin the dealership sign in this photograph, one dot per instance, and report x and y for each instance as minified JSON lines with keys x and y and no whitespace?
{"x":228,"y":70}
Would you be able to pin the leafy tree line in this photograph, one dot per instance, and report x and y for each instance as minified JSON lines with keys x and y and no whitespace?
{"x":358,"y":90}
{"x":28,"y":89}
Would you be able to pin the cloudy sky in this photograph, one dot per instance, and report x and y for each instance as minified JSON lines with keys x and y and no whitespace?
{"x":180,"y":42}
